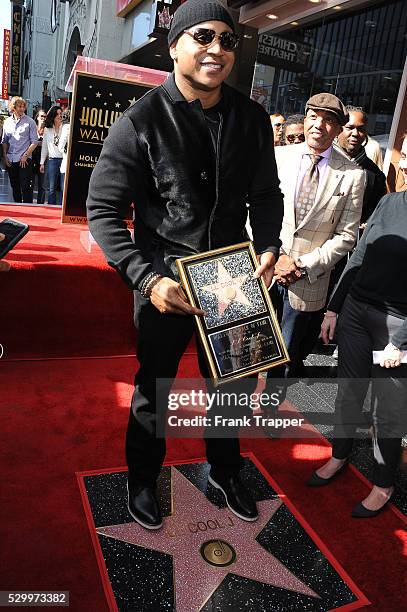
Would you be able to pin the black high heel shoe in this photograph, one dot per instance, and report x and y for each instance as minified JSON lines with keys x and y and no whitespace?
{"x":360,"y":511}
{"x":317,"y":481}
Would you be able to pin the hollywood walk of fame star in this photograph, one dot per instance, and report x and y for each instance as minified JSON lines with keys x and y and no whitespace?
{"x":195,"y":520}
{"x":228,"y":289}
{"x":98,"y":94}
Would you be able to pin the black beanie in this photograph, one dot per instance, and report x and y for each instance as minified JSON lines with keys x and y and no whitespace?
{"x":192,"y":12}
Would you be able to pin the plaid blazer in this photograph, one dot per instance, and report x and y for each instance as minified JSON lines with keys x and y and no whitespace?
{"x":328,"y":231}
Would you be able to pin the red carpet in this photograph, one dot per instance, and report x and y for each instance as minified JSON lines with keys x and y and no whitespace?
{"x":58,"y":300}
{"x":63,"y":416}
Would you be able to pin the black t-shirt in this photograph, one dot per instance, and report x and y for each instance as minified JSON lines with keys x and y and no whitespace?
{"x":212,"y":116}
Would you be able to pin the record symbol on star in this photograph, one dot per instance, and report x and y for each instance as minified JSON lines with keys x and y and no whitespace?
{"x":228,"y":289}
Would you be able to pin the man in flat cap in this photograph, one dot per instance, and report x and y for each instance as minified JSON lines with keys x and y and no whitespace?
{"x":323,"y":195}
{"x":177,"y":153}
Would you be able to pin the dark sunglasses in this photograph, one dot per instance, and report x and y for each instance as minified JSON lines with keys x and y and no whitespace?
{"x":203,"y":36}
{"x":292,"y":137}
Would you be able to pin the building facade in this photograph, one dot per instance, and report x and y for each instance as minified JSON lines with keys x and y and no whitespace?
{"x":355,"y":49}
{"x":55,"y":33}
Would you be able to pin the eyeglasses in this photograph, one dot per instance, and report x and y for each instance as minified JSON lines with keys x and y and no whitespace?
{"x":205,"y":37}
{"x":293,"y":137}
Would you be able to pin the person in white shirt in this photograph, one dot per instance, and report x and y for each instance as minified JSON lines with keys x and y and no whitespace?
{"x":51,"y":138}
{"x":19,"y":140}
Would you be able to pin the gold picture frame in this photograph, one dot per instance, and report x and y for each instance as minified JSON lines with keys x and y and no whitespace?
{"x":240,"y":333}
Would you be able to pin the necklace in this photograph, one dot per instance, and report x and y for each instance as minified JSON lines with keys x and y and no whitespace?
{"x":57,"y":136}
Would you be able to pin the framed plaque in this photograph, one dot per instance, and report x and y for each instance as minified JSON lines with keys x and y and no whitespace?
{"x":240,"y":333}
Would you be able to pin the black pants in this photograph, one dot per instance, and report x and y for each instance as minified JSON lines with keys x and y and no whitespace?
{"x":21,"y":180}
{"x":361,"y":330}
{"x":162,"y":340}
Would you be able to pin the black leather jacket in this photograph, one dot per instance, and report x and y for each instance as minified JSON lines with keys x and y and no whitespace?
{"x":187,"y":198}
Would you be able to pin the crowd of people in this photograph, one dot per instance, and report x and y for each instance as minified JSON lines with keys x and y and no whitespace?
{"x":34,"y":151}
{"x":178,"y":153}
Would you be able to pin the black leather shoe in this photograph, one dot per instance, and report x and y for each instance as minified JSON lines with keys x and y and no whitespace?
{"x":317,"y":481}
{"x":238,"y":498}
{"x":143,"y":506}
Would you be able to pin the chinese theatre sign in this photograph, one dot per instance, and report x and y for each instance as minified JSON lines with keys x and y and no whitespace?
{"x":16,"y":50}
{"x":283,"y":53}
{"x":6,"y":65}
{"x":97,"y":102}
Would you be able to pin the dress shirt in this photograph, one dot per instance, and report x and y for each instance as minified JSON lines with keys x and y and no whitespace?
{"x":306,"y":163}
{"x":19,"y":134}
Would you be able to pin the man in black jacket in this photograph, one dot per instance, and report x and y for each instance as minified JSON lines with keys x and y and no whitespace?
{"x":191,"y":154}
{"x":350,"y":142}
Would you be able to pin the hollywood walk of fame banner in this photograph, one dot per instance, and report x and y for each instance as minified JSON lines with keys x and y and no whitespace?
{"x":96,"y":104}
{"x":204,"y":558}
{"x":240,"y":333}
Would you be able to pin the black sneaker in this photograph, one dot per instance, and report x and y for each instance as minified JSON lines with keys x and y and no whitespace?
{"x":238,"y":498}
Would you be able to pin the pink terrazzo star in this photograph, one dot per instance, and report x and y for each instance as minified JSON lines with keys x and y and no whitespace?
{"x":196,"y":520}
{"x":228,"y":289}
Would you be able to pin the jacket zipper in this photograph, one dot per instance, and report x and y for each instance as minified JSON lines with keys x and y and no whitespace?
{"x":217,"y":180}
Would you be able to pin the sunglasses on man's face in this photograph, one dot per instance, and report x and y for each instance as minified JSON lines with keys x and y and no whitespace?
{"x":293,"y":137}
{"x":205,"y":37}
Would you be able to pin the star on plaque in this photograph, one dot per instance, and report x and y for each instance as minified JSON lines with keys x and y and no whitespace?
{"x":117,"y":105}
{"x":98,"y":94}
{"x":228,"y":289}
{"x":207,"y":543}
{"x":132,"y":101}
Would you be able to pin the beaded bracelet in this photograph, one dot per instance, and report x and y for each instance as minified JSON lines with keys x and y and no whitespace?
{"x":148,"y":284}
